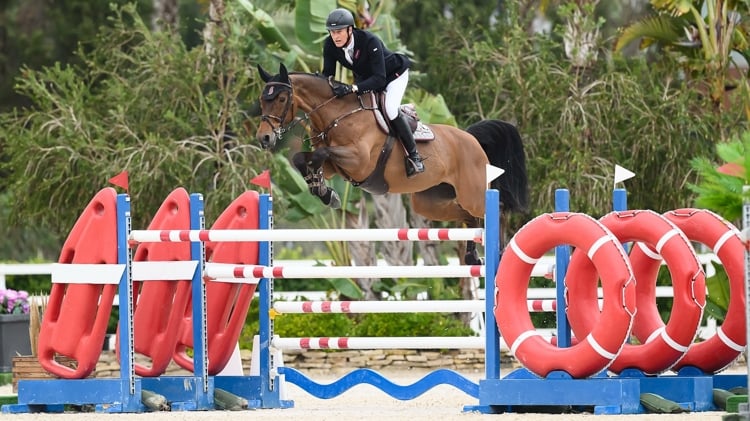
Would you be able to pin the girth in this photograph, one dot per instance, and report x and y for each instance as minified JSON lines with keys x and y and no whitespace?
{"x":375,"y":183}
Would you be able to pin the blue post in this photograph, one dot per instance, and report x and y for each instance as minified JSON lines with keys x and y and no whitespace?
{"x":492,"y":252}
{"x":562,"y":258}
{"x":620,"y":203}
{"x":204,"y":396}
{"x":270,"y":396}
{"x":130,"y":391}
{"x":619,"y":200}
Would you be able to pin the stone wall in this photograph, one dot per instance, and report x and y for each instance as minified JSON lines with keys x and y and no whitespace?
{"x":337,"y":362}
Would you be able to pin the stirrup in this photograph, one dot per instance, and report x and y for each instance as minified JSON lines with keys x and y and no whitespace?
{"x":414,"y":166}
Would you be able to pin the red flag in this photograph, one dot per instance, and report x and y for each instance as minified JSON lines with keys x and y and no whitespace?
{"x":733,"y":169}
{"x":120,"y":180}
{"x":263,"y":179}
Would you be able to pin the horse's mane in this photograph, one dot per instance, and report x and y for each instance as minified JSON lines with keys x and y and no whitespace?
{"x":315,"y":75}
{"x":319,"y":78}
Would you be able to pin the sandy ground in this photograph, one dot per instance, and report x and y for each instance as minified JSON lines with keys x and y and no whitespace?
{"x":364,"y":402}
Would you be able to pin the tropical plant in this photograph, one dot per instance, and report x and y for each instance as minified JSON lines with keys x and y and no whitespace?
{"x":723,"y":188}
{"x":706,"y":35}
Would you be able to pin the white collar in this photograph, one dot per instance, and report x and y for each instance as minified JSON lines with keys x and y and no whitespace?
{"x":350,"y":46}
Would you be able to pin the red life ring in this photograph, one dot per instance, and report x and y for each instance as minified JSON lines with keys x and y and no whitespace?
{"x":605,"y":340}
{"x":661,"y":347}
{"x":706,"y":227}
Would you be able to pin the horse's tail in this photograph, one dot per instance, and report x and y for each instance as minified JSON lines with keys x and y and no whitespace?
{"x":504,"y":148}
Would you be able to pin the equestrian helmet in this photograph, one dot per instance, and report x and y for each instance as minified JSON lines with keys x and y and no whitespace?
{"x":338,"y":19}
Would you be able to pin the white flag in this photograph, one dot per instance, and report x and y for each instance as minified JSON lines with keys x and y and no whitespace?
{"x":492,"y":173}
{"x":622,"y":174}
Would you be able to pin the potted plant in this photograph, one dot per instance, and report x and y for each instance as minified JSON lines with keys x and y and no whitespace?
{"x":14,"y":326}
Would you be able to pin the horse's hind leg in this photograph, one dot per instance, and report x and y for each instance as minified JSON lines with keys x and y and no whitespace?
{"x":471,"y":257}
{"x":305,"y":162}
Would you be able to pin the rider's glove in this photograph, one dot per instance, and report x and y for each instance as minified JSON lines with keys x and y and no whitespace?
{"x":342,"y":90}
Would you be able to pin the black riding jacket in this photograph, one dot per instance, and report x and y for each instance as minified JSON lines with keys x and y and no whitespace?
{"x":374,"y":66}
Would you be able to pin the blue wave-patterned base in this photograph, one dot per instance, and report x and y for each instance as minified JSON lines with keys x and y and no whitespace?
{"x":371,"y":377}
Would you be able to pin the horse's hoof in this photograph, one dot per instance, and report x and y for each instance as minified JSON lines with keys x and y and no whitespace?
{"x":333,"y":202}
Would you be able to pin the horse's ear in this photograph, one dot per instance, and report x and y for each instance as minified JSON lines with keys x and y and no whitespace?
{"x":283,"y":73}
{"x":264,"y":75}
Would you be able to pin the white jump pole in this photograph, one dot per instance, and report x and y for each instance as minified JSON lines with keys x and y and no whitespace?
{"x":317,"y":235}
{"x":223,"y":270}
{"x":436,"y":342}
{"x":406,"y":306}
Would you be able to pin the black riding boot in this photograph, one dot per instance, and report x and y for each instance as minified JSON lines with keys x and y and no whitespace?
{"x":414,"y":163}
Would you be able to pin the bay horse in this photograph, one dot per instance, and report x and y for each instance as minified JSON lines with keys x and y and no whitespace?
{"x":347,"y":139}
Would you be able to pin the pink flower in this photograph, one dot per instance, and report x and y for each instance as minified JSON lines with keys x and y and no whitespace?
{"x":14,"y":302}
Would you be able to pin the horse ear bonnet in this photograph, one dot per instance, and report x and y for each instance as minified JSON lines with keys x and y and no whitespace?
{"x":272,"y":90}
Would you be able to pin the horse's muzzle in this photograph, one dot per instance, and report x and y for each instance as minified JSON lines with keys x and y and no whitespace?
{"x":266,"y":140}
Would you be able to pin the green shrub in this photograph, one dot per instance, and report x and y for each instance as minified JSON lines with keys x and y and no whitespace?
{"x":411,"y":324}
{"x":365,"y":325}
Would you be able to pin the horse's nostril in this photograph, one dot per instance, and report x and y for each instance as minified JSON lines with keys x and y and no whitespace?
{"x":265,"y":141}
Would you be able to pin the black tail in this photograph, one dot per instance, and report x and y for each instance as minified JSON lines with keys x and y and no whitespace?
{"x":504,"y":148}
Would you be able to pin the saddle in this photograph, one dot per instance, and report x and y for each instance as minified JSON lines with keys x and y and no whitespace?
{"x":376,"y":101}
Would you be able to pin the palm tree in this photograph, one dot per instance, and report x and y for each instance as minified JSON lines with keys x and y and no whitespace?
{"x":709,"y":37}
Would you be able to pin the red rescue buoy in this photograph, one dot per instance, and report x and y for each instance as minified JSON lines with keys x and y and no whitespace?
{"x":594,"y":352}
{"x":660,"y":346}
{"x":75,"y":320}
{"x":705,"y":227}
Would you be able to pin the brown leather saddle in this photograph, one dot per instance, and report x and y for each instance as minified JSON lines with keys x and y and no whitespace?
{"x":422,"y":133}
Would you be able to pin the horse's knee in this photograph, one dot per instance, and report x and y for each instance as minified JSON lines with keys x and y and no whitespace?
{"x":299,"y":160}
{"x":317,"y":157}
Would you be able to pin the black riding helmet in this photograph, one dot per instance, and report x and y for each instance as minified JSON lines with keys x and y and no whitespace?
{"x":338,"y":19}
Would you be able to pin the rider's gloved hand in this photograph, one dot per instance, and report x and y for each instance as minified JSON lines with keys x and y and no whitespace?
{"x":342,"y":89}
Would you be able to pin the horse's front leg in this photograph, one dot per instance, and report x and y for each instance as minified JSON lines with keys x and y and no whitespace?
{"x":310,"y":165}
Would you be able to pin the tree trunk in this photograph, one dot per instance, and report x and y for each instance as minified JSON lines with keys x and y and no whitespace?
{"x":391,"y":213}
{"x":362,"y":252}
{"x":166,"y":15}
{"x":215,"y":18}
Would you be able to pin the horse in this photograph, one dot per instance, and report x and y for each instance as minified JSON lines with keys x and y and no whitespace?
{"x":347,"y":139}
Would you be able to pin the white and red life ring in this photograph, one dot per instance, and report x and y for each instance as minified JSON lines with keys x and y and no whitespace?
{"x":660,"y":346}
{"x":706,"y":227}
{"x":605,"y":339}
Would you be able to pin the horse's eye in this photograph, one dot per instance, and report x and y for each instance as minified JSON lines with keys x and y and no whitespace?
{"x":282,"y":99}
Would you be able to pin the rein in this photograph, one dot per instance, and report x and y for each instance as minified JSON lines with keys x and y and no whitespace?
{"x":280,"y":129}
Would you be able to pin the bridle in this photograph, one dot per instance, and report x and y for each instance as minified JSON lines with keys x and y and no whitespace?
{"x":280,"y":129}
{"x":277,"y":122}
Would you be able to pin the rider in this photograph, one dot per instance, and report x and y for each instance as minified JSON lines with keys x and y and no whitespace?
{"x":375,"y":68}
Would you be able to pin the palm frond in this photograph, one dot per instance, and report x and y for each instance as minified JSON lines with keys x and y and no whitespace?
{"x":661,"y":29}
